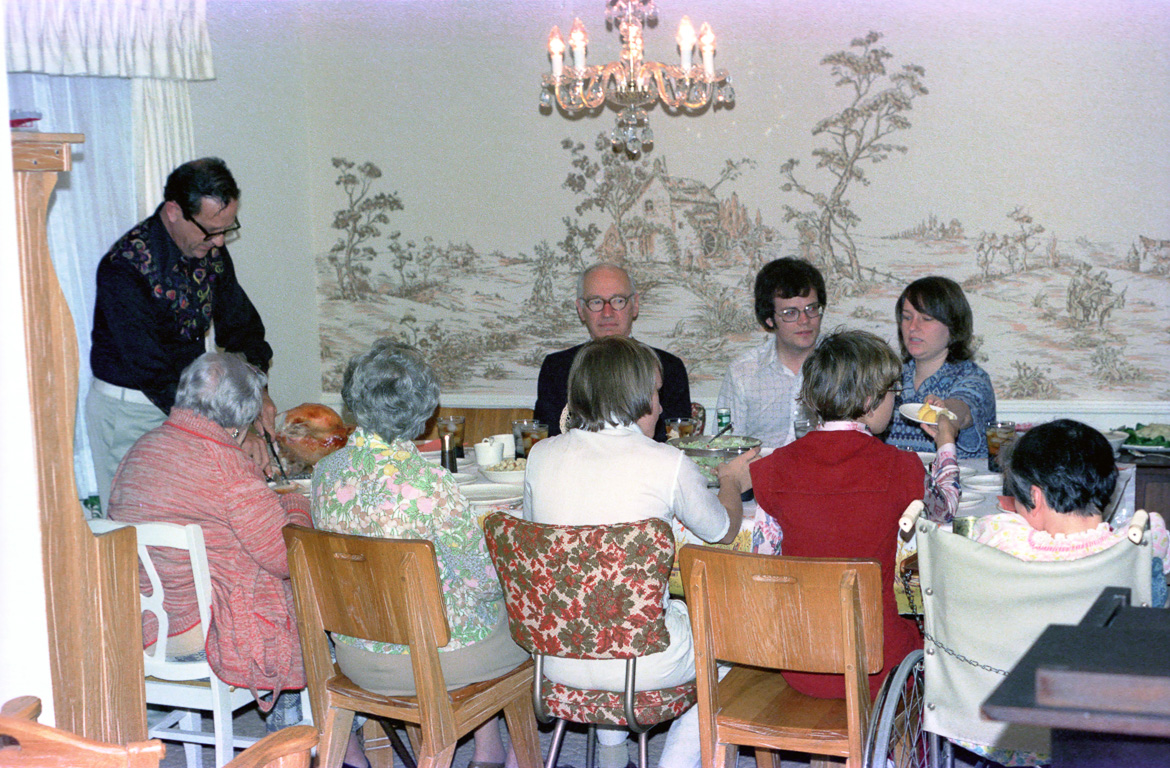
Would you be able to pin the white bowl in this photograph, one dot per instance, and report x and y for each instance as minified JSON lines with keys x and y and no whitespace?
{"x":511,"y":477}
{"x":1115,"y":439}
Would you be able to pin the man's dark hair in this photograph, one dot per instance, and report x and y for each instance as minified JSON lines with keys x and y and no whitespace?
{"x":192,"y":181}
{"x":1071,"y":462}
{"x":786,"y":278}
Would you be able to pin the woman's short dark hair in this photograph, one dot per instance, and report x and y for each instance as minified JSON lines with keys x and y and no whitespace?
{"x":611,"y":382}
{"x":223,"y":388}
{"x":1071,"y":462}
{"x":785,"y":278}
{"x":944,"y":300}
{"x":192,"y":181}
{"x":391,"y":390}
{"x":848,"y":374}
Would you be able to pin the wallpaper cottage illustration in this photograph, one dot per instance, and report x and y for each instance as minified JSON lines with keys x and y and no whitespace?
{"x":1056,"y":318}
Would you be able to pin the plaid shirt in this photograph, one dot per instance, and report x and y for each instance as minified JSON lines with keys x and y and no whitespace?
{"x":761,"y":393}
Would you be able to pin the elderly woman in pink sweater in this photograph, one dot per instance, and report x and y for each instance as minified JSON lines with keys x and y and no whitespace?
{"x":191,"y":469}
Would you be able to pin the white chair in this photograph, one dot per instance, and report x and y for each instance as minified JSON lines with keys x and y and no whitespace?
{"x":189,"y":687}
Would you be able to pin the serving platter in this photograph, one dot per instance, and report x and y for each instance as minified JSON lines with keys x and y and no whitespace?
{"x":1146,"y":448}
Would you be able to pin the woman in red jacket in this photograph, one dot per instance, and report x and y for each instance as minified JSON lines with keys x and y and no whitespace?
{"x":191,"y":469}
{"x":839,"y":490}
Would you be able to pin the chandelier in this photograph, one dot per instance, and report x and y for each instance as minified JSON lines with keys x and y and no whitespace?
{"x":632,"y":85}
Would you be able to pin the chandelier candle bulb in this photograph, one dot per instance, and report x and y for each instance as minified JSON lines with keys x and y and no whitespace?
{"x":631,"y":84}
{"x":707,"y":47}
{"x":556,"y":51}
{"x":578,"y":39}
{"x":686,"y":43}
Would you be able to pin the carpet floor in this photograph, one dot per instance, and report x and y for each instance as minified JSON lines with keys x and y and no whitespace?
{"x":248,"y":723}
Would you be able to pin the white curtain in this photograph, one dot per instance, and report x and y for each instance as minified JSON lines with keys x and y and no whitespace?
{"x":92,"y":206}
{"x":164,"y":136}
{"x":164,"y":39}
{"x":116,"y":71}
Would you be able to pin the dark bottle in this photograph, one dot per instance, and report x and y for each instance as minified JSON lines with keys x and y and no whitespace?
{"x":447,"y":455}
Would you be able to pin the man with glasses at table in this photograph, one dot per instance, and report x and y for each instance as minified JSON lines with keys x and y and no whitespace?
{"x":607,"y":304}
{"x":761,"y":385}
{"x":160,"y":288}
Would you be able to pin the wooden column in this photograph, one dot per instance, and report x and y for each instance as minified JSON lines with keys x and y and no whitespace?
{"x":91,"y":584}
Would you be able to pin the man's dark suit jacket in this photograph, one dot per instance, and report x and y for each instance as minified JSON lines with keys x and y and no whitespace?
{"x":552,"y":390}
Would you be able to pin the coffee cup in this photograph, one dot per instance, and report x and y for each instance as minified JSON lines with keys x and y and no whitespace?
{"x":489,"y":452}
{"x":508,"y":442}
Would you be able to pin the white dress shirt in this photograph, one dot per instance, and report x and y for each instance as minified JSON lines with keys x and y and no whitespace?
{"x":761,"y":392}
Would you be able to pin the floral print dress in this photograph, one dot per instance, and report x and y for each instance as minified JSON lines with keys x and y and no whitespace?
{"x":387,"y":489}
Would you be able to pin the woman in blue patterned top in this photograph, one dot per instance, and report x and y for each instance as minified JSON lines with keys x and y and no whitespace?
{"x":379,"y":485}
{"x":934,"y":330}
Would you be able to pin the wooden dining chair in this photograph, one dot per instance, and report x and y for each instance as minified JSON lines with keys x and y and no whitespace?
{"x":388,"y":590}
{"x":23,"y":707}
{"x":763,"y":614}
{"x":28,"y":744}
{"x":46,"y":747}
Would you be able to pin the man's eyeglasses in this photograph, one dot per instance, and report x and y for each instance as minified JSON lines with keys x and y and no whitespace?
{"x":617,"y":303}
{"x":212,"y":235}
{"x":790,"y":314}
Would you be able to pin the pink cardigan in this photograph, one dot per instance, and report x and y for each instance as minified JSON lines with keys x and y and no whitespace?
{"x":190,"y":471}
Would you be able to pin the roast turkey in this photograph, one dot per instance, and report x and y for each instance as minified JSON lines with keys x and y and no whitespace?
{"x":310,"y":432}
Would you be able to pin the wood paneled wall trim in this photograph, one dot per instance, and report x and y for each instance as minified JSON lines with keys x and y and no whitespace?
{"x":480,"y":422}
{"x":91,"y":583}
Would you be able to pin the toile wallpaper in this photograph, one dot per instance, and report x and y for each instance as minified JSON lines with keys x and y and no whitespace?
{"x":1057,"y":316}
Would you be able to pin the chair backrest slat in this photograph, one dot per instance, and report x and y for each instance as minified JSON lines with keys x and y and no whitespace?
{"x":151,"y":537}
{"x":584,"y":592}
{"x":786,"y":612}
{"x":359,"y":583}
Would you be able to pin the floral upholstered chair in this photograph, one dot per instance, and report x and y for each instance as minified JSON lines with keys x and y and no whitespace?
{"x":589,"y":592}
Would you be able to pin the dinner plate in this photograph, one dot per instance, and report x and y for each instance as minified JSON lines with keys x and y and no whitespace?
{"x":1146,"y":448}
{"x":464,"y":477}
{"x":910,"y":411}
{"x":297,"y":486}
{"x":970,"y":500}
{"x":965,"y":472}
{"x":492,"y":493}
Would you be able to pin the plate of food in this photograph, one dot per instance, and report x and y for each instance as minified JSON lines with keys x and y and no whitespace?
{"x":1147,"y":438}
{"x":492,"y":493}
{"x":509,"y":471}
{"x":922,"y":413}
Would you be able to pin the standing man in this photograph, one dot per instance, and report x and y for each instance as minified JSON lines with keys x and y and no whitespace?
{"x":761,"y":386}
{"x":159,"y":289}
{"x":607,"y":304}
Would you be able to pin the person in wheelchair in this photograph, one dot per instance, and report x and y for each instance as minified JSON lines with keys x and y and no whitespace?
{"x":1061,"y":475}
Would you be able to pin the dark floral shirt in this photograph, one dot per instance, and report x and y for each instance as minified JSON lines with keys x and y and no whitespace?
{"x":154,"y":307}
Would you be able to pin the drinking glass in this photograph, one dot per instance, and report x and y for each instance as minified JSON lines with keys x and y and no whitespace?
{"x":518,"y":434}
{"x":532,"y":433}
{"x":679,"y":428}
{"x":453,"y":425}
{"x":999,"y":434}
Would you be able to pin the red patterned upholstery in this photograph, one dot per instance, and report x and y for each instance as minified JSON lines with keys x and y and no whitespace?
{"x":589,"y":592}
{"x":583,"y":592}
{"x":606,"y":708}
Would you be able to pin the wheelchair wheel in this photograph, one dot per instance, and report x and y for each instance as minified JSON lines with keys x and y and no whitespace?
{"x":895,"y":736}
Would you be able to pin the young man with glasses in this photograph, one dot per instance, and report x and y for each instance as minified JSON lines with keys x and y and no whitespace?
{"x":159,"y":289}
{"x":761,"y":386}
{"x":607,"y":304}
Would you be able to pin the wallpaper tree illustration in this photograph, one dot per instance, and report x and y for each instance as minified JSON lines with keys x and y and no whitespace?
{"x":358,"y":222}
{"x":856,"y":136}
